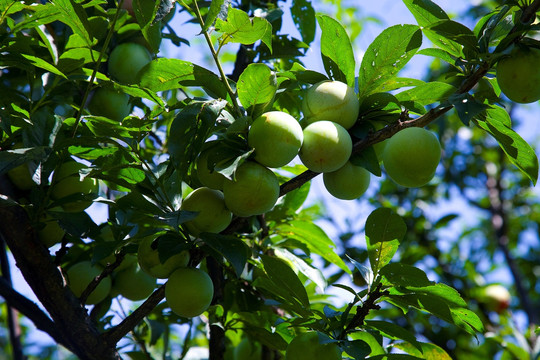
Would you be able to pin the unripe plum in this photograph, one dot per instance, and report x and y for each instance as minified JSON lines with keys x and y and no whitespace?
{"x":333,"y":101}
{"x":306,"y":346}
{"x":254,"y":191}
{"x":133,"y":283}
{"x":150,"y":262}
{"x":348,"y":182}
{"x":247,"y":350}
{"x":81,"y":274}
{"x":189,"y":292}
{"x":276,"y":137}
{"x":68,"y":182}
{"x":212,"y":179}
{"x":126,"y":60}
{"x":51,"y":234}
{"x":327,"y":146}
{"x":411,"y":157}
{"x":110,"y":103}
{"x":518,"y":75}
{"x":213,"y":215}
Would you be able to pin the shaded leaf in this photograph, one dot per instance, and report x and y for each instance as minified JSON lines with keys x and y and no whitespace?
{"x":231,"y":248}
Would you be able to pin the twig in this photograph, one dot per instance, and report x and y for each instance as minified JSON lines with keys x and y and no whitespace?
{"x":116,"y":333}
{"x":106,"y":272}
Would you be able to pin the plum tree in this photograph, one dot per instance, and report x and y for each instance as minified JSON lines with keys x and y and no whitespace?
{"x":276,"y":137}
{"x":67,"y":182}
{"x":348,"y":182}
{"x":495,"y":297}
{"x":306,"y":346}
{"x":110,"y":103}
{"x":126,"y":60}
{"x":254,"y":190}
{"x":518,"y":75}
{"x":209,"y":178}
{"x":189,"y":292}
{"x":411,"y":157}
{"x":327,"y":146}
{"x":81,"y":274}
{"x":149,"y":260}
{"x":213,"y":215}
{"x":333,"y":101}
{"x":247,"y":350}
{"x":133,"y":283}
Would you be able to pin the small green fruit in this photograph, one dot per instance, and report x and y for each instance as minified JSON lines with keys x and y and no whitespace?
{"x":68,"y":182}
{"x":148,"y":256}
{"x":276,"y":137}
{"x":306,"y":346}
{"x":81,"y":274}
{"x":247,"y":350}
{"x":348,"y":182}
{"x":209,"y":178}
{"x":110,"y":103}
{"x":333,"y":101}
{"x":126,"y":60}
{"x":189,"y":292}
{"x":51,"y":234}
{"x":411,"y":157}
{"x":254,"y":191}
{"x":518,"y":75}
{"x":133,"y":283}
{"x":213,"y":215}
{"x":327,"y":146}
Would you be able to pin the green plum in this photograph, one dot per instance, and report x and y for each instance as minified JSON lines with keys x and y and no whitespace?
{"x":247,"y":350}
{"x":276,"y":137}
{"x":213,"y":215}
{"x":189,"y":292}
{"x":67,"y":182}
{"x":148,"y":256}
{"x":133,"y":283}
{"x":110,"y":103}
{"x":254,"y":191}
{"x":126,"y":60}
{"x":81,"y":274}
{"x":327,"y":146}
{"x":306,"y":346}
{"x":333,"y":101}
{"x":518,"y":75}
{"x":209,"y":178}
{"x":411,"y":157}
{"x":348,"y":182}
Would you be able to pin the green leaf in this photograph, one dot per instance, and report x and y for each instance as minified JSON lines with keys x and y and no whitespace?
{"x":427,"y":93}
{"x":73,"y":15}
{"x":386,"y":55}
{"x":303,"y":16}
{"x":336,"y":50}
{"x":467,"y":107}
{"x":313,"y":274}
{"x":239,"y":28}
{"x":496,"y":122}
{"x":314,"y":238}
{"x":393,"y":331}
{"x":231,"y":248}
{"x":42,"y":64}
{"x":145,"y":13}
{"x":257,"y":86}
{"x":399,"y":274}
{"x":428,"y":351}
{"x":218,"y":9}
{"x":284,"y":277}
{"x":437,"y":26}
{"x":368,"y":338}
{"x":384,"y":232}
{"x":189,"y":130}
{"x":167,"y":74}
{"x":358,"y":349}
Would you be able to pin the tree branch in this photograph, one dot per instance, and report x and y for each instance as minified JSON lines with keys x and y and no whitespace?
{"x":12,"y":319}
{"x":115,"y":334}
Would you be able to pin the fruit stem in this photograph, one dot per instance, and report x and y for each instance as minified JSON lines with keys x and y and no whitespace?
{"x":216,"y":60}
{"x":96,"y":67}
